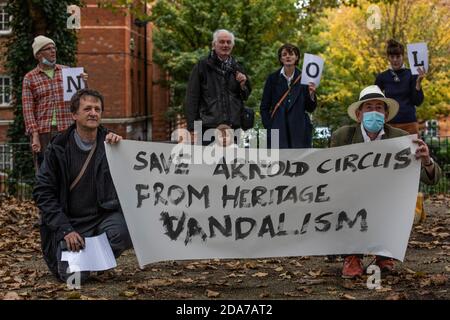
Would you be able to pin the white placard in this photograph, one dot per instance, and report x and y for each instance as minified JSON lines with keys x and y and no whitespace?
{"x":312,"y":69}
{"x":417,"y":56}
{"x":356,"y":199}
{"x":72,"y":81}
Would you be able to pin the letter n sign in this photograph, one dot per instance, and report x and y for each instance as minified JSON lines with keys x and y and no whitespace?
{"x":72,"y":81}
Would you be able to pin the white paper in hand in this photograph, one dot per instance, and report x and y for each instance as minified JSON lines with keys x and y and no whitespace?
{"x":72,"y":81}
{"x":96,"y":256}
{"x":417,"y":56}
{"x":312,"y":69}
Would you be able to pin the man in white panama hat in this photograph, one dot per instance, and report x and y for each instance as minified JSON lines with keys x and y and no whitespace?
{"x":44,"y":110}
{"x":371,"y":112}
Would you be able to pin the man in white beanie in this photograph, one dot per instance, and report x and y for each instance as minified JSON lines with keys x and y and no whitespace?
{"x":371,"y":112}
{"x":44,"y":110}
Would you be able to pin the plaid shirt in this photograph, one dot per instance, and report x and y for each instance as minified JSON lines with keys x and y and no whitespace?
{"x":40,"y":95}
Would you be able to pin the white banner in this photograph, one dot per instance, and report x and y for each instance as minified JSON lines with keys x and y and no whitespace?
{"x":72,"y":81}
{"x":353,"y":199}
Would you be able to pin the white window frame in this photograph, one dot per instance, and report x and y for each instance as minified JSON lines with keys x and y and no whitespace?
{"x":5,"y":105}
{"x":9,"y":31}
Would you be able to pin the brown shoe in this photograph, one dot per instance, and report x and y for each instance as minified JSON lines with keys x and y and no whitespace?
{"x":353,"y":267}
{"x":385,"y":264}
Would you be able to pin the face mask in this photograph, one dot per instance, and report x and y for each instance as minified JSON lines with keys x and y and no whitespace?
{"x":48,"y":63}
{"x":373,"y":121}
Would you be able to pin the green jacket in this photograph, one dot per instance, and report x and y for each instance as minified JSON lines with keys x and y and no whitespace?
{"x":352,"y":134}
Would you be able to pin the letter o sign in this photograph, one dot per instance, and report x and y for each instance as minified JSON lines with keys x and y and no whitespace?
{"x":308,"y":69}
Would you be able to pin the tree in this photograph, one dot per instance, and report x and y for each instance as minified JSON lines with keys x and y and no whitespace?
{"x":355,"y":54}
{"x":183,"y":34}
{"x":29,"y":19}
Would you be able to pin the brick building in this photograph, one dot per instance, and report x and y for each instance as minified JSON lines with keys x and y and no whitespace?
{"x":6,"y":114}
{"x":116,"y":51}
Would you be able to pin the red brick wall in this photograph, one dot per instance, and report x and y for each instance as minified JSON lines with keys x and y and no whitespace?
{"x":5,"y":113}
{"x":118,"y":73}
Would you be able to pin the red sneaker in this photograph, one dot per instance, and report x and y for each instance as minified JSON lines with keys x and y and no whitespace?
{"x":385,"y":264}
{"x":353,"y":267}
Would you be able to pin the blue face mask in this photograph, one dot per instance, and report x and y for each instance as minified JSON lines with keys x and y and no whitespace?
{"x":373,"y":121}
{"x":48,"y":63}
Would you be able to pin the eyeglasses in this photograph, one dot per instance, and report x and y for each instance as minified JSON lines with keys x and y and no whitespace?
{"x":49,"y":48}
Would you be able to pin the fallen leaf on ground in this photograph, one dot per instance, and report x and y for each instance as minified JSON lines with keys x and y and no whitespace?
{"x":439,"y":279}
{"x":12,"y":296}
{"x":159,"y":282}
{"x":348,"y":297}
{"x":187,"y":280}
{"x":74,"y":295}
{"x":279,"y":269}
{"x":260,"y":274}
{"x":292,"y":294}
{"x":212,"y":294}
{"x":182,"y":295}
{"x":315,"y":273}
{"x":397,"y":296}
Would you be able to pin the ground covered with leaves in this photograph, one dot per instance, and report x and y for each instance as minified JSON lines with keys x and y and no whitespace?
{"x":423,"y":275}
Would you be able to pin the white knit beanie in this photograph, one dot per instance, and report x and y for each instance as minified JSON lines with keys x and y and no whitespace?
{"x":40,"y":42}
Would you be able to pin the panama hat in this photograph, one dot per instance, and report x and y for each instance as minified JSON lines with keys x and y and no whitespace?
{"x":373,"y":93}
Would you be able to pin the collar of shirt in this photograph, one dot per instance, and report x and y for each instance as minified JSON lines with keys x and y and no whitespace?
{"x":367,"y":138}
{"x":57,"y":67}
{"x":390,"y":67}
{"x":289,"y":79}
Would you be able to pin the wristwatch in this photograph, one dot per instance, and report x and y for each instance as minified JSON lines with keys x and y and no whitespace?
{"x":430,"y":163}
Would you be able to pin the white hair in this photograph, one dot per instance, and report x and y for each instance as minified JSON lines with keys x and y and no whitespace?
{"x":216,"y":36}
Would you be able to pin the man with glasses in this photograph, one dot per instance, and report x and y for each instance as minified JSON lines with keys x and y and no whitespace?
{"x":44,"y":110}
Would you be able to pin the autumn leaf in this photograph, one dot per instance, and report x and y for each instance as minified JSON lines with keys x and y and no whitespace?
{"x":127,"y":294}
{"x":182,"y":295}
{"x":292,"y":294}
{"x":260,"y":274}
{"x":187,"y":280}
{"x":12,"y":296}
{"x":439,"y":279}
{"x":397,"y":296}
{"x":74,"y":295}
{"x":160,"y":282}
{"x":212,"y":294}
{"x":279,"y":269}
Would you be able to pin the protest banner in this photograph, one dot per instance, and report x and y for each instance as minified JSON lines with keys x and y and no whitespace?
{"x":346,"y":200}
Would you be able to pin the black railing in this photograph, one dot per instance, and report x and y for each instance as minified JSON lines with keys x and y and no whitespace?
{"x":17,"y":173}
{"x":440,"y":151}
{"x":16,"y":170}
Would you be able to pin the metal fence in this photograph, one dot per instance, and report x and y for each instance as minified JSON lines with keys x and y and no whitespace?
{"x":18,"y":182}
{"x":440,"y":151}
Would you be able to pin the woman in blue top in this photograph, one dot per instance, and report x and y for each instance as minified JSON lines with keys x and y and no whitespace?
{"x":399,"y":84}
{"x":290,"y":117}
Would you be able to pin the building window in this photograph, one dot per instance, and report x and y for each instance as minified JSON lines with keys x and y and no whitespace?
{"x":5,"y":20}
{"x":5,"y":91}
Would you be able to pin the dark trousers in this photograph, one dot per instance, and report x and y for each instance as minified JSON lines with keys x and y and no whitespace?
{"x":118,"y":236}
{"x":44,"y":139}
